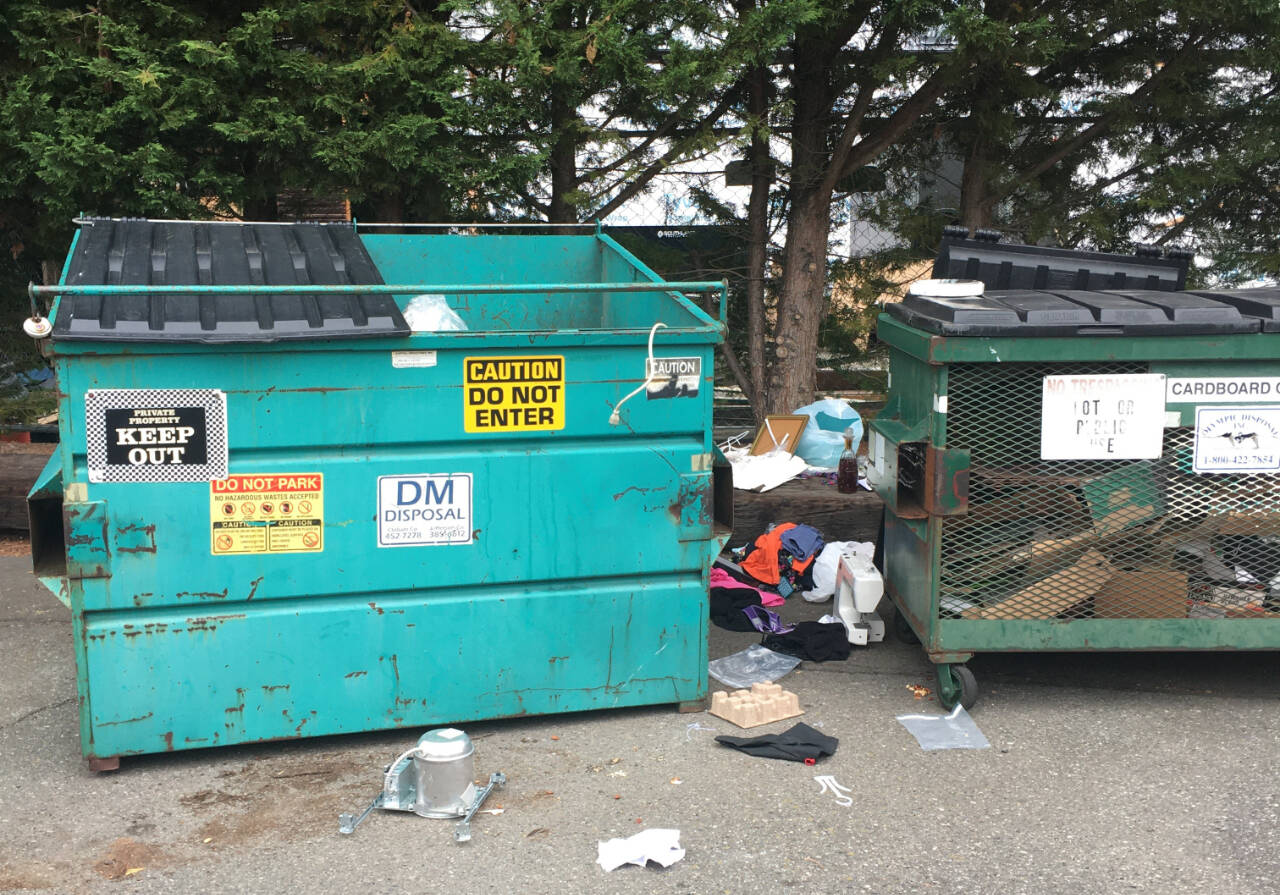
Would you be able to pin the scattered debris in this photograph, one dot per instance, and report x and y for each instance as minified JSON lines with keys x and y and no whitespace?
{"x":918,"y":691}
{"x":753,"y":665}
{"x":953,"y":731}
{"x":658,"y":845}
{"x":432,"y":779}
{"x":800,"y":743}
{"x":762,"y":704}
{"x":537,"y":833}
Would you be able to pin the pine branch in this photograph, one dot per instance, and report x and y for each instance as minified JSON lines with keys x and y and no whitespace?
{"x":1105,"y":121}
{"x":654,"y":168}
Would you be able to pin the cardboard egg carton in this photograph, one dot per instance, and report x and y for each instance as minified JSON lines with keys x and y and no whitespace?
{"x":762,"y":704}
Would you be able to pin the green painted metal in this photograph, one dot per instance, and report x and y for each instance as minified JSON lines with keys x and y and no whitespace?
{"x":915,"y":411}
{"x":585,"y":584}
{"x":1021,"y":635}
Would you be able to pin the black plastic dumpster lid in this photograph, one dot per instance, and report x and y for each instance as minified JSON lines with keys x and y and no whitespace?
{"x":1263,"y":303}
{"x":1022,"y":313}
{"x":137,"y":252}
{"x":1006,"y":266}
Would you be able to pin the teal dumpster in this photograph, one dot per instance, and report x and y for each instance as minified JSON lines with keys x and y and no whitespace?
{"x":1080,"y":469}
{"x":278,"y":510}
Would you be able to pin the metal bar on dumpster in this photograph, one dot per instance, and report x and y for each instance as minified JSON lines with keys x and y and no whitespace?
{"x":380,"y":288}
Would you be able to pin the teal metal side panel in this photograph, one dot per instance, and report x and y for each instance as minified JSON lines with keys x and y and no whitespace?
{"x":166,"y":679}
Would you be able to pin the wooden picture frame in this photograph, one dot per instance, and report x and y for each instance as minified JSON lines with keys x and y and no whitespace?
{"x":786,"y":429}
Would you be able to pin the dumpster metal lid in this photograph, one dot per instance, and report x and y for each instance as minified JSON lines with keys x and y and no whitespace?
{"x":1026,"y":313}
{"x":1009,"y":266}
{"x":180,"y":253}
{"x":1262,"y":302}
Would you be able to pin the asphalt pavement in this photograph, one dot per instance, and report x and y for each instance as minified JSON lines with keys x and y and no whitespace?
{"x":1106,"y":773}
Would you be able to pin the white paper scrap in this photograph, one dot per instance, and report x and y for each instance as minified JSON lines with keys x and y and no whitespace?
{"x":662,"y":846}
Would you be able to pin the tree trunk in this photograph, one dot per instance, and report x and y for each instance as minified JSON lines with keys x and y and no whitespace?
{"x":390,"y":208}
{"x":564,"y":160}
{"x":757,"y":242}
{"x":801,"y":303}
{"x":801,"y":297}
{"x":975,"y":210}
{"x":261,"y":209}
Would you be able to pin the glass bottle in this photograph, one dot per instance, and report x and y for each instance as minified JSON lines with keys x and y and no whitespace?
{"x":847,"y":471}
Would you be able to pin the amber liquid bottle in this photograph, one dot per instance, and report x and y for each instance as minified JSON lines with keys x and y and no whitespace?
{"x":847,"y":471}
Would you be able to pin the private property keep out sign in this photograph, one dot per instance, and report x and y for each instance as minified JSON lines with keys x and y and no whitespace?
{"x":513,"y":394}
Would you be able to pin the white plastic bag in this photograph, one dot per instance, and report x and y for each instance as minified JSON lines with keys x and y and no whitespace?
{"x":822,"y":441}
{"x":430,"y":313}
{"x":827,"y":565}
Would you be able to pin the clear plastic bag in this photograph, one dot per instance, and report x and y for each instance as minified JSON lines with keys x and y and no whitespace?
{"x":953,"y":731}
{"x":754,"y":665}
{"x":430,"y":313}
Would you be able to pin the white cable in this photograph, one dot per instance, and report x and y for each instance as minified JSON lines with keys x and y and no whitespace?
{"x":614,"y":419}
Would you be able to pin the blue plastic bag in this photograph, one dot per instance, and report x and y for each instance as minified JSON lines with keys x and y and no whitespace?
{"x":822,"y":441}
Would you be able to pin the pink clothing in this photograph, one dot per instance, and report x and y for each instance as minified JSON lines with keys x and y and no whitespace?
{"x":721,"y":578}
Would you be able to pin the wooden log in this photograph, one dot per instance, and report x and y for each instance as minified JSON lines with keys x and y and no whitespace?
{"x":18,"y":471}
{"x":814,"y":501}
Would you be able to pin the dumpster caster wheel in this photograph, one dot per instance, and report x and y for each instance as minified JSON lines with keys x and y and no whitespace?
{"x":902,"y":629}
{"x":956,"y":686}
{"x":102,"y":765}
{"x":691,"y":705}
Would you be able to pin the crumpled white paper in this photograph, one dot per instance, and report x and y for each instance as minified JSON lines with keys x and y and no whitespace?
{"x":762,"y":472}
{"x":662,"y":846}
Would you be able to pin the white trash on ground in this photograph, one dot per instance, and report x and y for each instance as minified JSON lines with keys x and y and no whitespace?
{"x":658,"y":845}
{"x":763,"y":472}
{"x":953,"y":731}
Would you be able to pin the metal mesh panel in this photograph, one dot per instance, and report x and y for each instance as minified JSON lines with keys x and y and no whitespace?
{"x":1070,"y":539}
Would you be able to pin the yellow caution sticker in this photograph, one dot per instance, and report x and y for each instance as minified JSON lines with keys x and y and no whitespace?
{"x":267,"y":513}
{"x":513,"y":394}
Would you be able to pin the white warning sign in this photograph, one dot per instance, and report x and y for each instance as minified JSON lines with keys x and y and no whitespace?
{"x":673,"y":377}
{"x":424,"y":510}
{"x":1102,"y":417}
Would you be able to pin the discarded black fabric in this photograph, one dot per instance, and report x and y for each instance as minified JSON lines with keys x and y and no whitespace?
{"x":727,"y":604}
{"x":800,"y":743}
{"x":813,"y":642}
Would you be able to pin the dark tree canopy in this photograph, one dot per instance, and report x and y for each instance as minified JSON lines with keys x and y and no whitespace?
{"x":1075,"y":121}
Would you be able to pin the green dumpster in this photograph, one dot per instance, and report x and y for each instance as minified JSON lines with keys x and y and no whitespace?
{"x":282,"y":507}
{"x":1075,"y":469}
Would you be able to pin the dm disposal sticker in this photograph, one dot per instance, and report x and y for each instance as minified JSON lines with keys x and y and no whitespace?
{"x":156,"y":435}
{"x":277,"y":512}
{"x":1237,"y":439}
{"x":673,"y":377}
{"x":513,"y":394}
{"x":424,"y":510}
